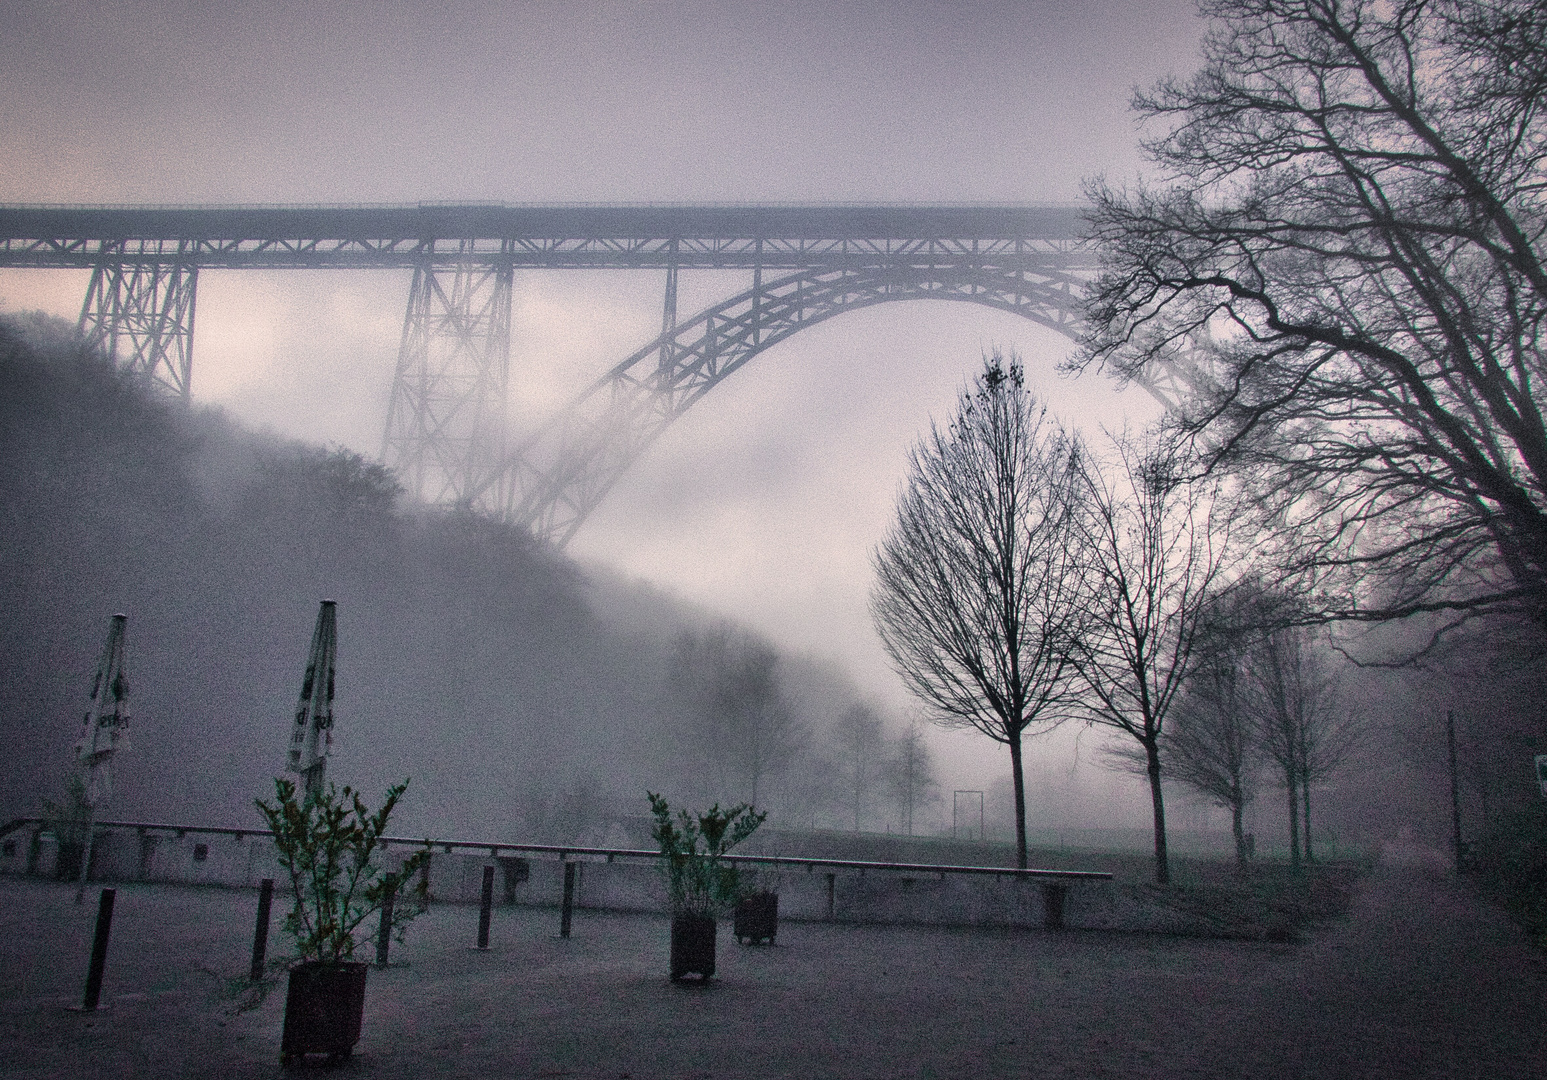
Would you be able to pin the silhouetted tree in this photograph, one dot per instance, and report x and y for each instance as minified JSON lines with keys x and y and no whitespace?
{"x":739,"y":718}
{"x":1212,"y":742}
{"x":1347,"y":247}
{"x":1151,"y":550}
{"x":1303,"y":730}
{"x":976,"y":587}
{"x":859,"y":746}
{"x":910,"y":774}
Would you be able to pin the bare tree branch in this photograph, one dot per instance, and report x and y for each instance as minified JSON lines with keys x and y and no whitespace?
{"x":1350,"y":237}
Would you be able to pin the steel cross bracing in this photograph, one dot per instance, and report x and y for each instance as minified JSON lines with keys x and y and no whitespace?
{"x":141,"y":315}
{"x":445,"y":426}
{"x":445,"y":433}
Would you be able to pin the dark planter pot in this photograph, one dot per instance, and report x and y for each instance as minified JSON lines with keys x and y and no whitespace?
{"x":692,"y":946}
{"x":67,"y":863}
{"x":323,"y":1008}
{"x":757,"y":918}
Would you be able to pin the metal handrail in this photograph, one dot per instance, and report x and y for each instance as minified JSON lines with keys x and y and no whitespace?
{"x":564,"y":851}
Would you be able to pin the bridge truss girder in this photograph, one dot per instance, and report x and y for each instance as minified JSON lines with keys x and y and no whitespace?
{"x":140,"y":313}
{"x":555,"y":477}
{"x":446,"y":420}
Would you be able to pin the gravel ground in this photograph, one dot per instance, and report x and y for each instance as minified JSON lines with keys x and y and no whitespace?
{"x":1419,"y":979}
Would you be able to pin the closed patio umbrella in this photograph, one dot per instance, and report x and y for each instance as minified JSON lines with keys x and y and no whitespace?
{"x":104,"y":730}
{"x":311,"y":737}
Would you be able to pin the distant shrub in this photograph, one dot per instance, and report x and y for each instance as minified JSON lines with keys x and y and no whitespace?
{"x":343,"y":481}
{"x":1511,"y":863}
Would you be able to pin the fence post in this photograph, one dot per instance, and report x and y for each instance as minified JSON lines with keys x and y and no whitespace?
{"x":260,"y":932}
{"x":1054,"y":893}
{"x":832,"y":894}
{"x":567,"y":917}
{"x":486,"y":906}
{"x":99,"y":951}
{"x":384,"y":932}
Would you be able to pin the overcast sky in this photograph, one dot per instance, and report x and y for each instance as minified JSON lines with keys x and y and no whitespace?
{"x":765,"y":502}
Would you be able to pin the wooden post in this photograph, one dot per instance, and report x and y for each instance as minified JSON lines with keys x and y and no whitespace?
{"x":1053,"y":895}
{"x":260,"y":932}
{"x":486,"y":907}
{"x":93,"y":993}
{"x":567,"y":915}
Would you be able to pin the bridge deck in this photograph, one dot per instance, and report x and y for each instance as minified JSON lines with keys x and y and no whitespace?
{"x":579,"y":236}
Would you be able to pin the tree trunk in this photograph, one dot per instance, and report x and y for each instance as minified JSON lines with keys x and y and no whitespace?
{"x":1305,"y":797}
{"x":1237,"y":812}
{"x":1162,"y":861}
{"x":1020,"y":801}
{"x":1294,"y":818}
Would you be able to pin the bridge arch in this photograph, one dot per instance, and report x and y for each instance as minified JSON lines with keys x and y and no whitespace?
{"x":553,"y":479}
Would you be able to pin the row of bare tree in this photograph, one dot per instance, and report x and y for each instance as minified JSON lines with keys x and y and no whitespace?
{"x":752,"y":738}
{"x":1264,"y":697}
{"x":1025,"y":583}
{"x":1343,"y":259}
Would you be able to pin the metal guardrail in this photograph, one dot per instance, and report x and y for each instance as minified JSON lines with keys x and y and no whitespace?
{"x":565,"y":851}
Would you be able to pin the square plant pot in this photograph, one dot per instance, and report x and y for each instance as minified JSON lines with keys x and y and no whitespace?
{"x":757,"y":918}
{"x":324,"y":1004}
{"x":692,"y":946}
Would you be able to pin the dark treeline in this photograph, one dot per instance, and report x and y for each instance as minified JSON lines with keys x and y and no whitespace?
{"x":525,"y":701}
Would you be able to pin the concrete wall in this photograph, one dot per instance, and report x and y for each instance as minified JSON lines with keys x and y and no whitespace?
{"x":195,"y":858}
{"x":191,"y":858}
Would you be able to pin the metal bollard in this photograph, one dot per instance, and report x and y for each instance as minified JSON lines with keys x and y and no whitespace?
{"x":384,"y":932}
{"x":567,"y":914}
{"x":93,"y":993}
{"x":260,"y":933}
{"x":484,"y":910}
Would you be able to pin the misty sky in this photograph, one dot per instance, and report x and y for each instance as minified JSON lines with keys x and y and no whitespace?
{"x":765,"y":502}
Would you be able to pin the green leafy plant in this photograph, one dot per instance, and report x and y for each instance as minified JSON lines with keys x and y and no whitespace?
{"x":698,"y":880}
{"x":327,"y":842}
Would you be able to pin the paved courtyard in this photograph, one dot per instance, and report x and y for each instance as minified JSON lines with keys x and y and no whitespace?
{"x":1418,"y":980}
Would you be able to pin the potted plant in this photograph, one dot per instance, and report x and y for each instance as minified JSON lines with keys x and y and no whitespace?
{"x":757,"y":914}
{"x":326,"y":843}
{"x":699,"y":883}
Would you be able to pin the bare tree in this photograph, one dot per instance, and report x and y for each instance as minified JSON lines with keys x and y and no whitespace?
{"x":739,"y":718}
{"x":859,"y":742}
{"x":1151,"y":551}
{"x":1303,"y":729}
{"x":976,"y":590}
{"x":910,"y":774}
{"x":1211,"y":743}
{"x":1350,"y":238}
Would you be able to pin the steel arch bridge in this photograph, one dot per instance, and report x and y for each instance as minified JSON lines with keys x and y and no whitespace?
{"x":445,"y":431}
{"x":560,"y":473}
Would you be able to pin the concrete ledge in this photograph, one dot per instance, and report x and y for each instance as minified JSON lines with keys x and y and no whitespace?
{"x":809,"y":890}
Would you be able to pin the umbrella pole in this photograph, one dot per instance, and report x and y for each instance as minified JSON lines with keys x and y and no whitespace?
{"x":80,"y":888}
{"x":314,"y":777}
